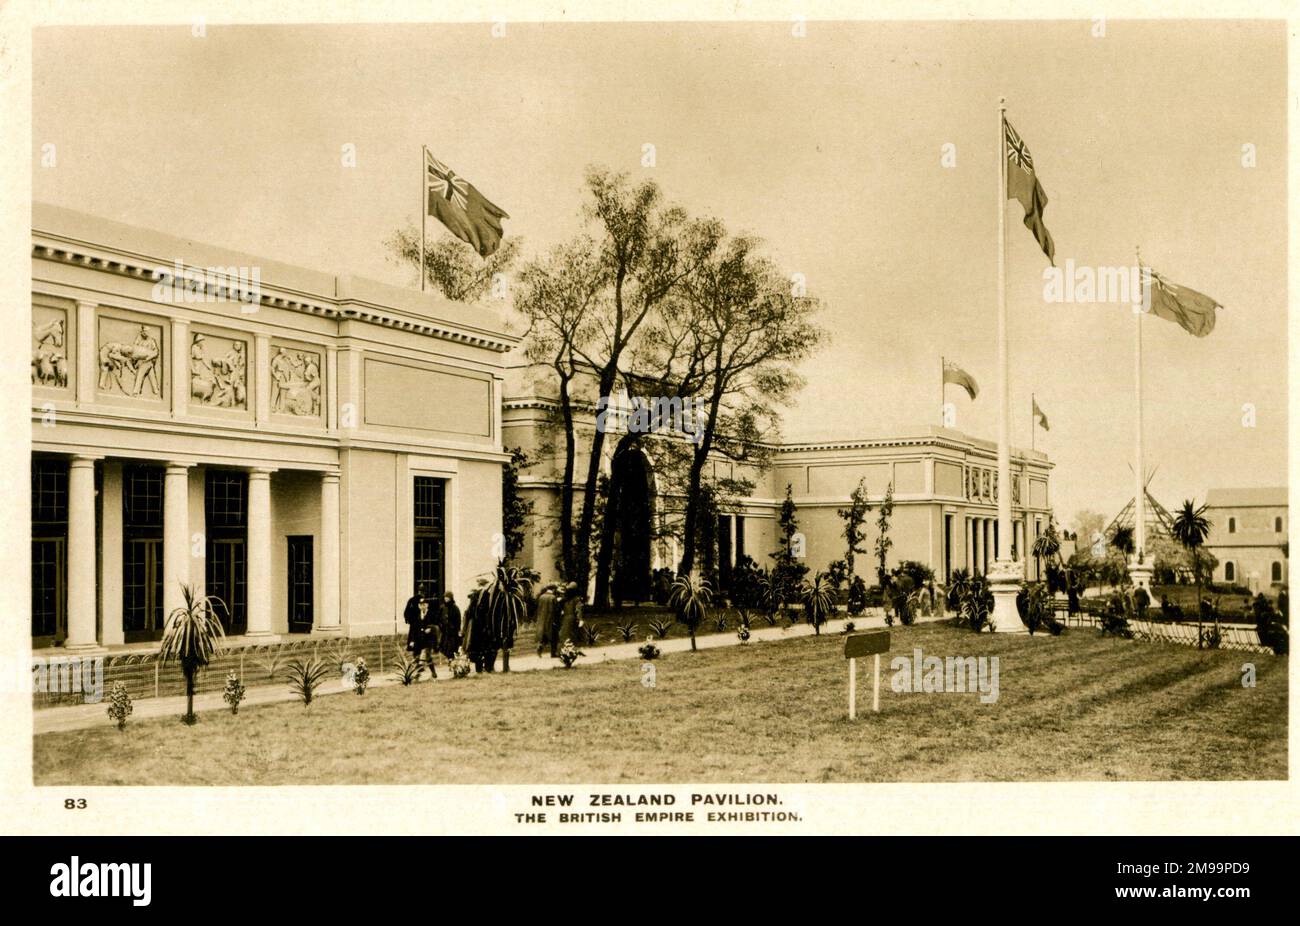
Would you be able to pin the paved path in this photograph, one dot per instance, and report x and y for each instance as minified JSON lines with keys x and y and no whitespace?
{"x":82,"y":716}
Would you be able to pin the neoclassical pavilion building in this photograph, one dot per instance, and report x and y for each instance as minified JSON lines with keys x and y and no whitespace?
{"x":309,"y":447}
{"x":304,"y":446}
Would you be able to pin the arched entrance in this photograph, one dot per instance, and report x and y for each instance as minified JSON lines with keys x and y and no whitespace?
{"x":631,"y":505}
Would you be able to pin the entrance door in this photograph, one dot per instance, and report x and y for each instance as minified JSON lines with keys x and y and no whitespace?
{"x":227,"y":574}
{"x":301,"y":583}
{"x":142,"y":613}
{"x":631,"y":506}
{"x":142,"y":553}
{"x":49,"y":591}
{"x":49,"y":551}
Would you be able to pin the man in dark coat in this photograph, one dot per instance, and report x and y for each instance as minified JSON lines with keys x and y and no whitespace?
{"x":450,"y":626}
{"x":482,"y":644}
{"x":426,"y":642}
{"x":570,"y":616}
{"x":547,"y":627}
{"x":411,"y":614}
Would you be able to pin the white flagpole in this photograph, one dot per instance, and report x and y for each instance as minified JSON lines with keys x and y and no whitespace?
{"x":1033,"y":421}
{"x":1004,"y":576}
{"x":1139,"y":572}
{"x":1004,"y":384}
{"x":424,"y":204}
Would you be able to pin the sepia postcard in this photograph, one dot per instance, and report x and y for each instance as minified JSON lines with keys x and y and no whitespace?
{"x":637,"y":419}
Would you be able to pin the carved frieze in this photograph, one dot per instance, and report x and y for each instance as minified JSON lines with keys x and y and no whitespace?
{"x":49,"y":347}
{"x":130,"y":358}
{"x":218,"y":371}
{"x":295,"y":382}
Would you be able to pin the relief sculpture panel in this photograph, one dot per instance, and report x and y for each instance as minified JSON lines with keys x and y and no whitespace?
{"x":219,"y":371}
{"x":295,"y":382}
{"x":49,"y":347}
{"x":130,"y":358}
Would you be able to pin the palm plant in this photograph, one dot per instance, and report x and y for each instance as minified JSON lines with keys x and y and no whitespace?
{"x":1047,"y":544}
{"x":506,"y":598}
{"x":191,"y":637}
{"x":958,"y":587}
{"x":660,"y":626}
{"x":769,"y":595}
{"x":690,"y":599}
{"x":818,"y":600}
{"x":1190,"y":528}
{"x":305,"y":676}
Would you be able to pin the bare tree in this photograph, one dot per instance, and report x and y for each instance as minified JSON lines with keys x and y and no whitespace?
{"x":751,"y":327}
{"x":558,"y":295}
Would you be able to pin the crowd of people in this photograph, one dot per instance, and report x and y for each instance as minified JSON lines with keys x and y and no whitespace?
{"x":438,"y":626}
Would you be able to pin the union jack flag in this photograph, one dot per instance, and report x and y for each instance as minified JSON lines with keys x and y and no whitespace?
{"x":443,"y":181}
{"x":1023,"y":185}
{"x":1017,"y":150}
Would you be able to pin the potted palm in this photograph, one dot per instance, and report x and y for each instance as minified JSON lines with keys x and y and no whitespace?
{"x":191,"y":637}
{"x":506,"y":598}
{"x":690,"y":599}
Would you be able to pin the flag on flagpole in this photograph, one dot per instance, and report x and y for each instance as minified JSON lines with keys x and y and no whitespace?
{"x":466,"y":212}
{"x":958,"y":377}
{"x":1039,"y":417}
{"x":1194,"y":311}
{"x":1023,"y":185}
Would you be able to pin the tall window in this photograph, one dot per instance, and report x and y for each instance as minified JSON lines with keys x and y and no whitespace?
{"x":430,"y":534}
{"x":1232,"y":525}
{"x":1277,"y":571}
{"x":142,"y":553}
{"x":740,"y":537}
{"x":1277,"y":525}
{"x":301,"y":583}
{"x":49,"y":550}
{"x":225,"y":502}
{"x":1229,"y":572}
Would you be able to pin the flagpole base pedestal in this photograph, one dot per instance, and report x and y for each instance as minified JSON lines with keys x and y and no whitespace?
{"x":1004,"y":578}
{"x":1140,"y":575}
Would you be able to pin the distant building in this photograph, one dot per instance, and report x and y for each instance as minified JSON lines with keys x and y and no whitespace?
{"x":945,"y":496}
{"x":1248,"y":528}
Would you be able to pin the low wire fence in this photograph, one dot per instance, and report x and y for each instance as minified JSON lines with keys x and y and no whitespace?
{"x":145,"y":676}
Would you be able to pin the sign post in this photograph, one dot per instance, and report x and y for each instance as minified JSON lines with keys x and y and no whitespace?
{"x":870,"y":644}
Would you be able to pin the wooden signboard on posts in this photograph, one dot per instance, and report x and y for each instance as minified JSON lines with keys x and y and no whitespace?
{"x":872,"y":644}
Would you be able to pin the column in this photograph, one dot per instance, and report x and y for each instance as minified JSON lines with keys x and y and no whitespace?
{"x":332,"y":388}
{"x":259,"y":552}
{"x":87,"y":354}
{"x":81,"y":554}
{"x":180,"y":371}
{"x":976,"y":534}
{"x":327,"y":618}
{"x":262,"y":379}
{"x":176,"y":535}
{"x":110,"y":554}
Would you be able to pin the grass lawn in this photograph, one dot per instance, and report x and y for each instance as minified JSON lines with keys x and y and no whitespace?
{"x":1077,"y":707}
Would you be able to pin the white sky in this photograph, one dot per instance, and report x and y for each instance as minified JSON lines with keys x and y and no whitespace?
{"x":827,"y":146}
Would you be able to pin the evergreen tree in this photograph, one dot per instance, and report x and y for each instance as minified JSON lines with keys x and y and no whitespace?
{"x":883,"y":543}
{"x":854,"y":517}
{"x":788,"y":570}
